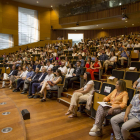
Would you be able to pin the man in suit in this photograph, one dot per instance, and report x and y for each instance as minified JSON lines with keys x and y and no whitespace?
{"x":30,"y":80}
{"x":37,"y":65}
{"x":36,"y":84}
{"x":82,"y":61}
{"x":76,"y":76}
{"x":7,"y":77}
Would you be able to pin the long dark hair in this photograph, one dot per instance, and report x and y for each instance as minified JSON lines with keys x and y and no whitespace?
{"x":122,"y":84}
{"x":59,"y":71}
{"x":88,"y":77}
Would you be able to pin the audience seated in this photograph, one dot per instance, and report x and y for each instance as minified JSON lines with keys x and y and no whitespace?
{"x":51,"y":85}
{"x":56,"y":66}
{"x":26,"y":74}
{"x":130,"y":119}
{"x":111,"y":61}
{"x":49,"y":65}
{"x":75,"y":76}
{"x":117,"y":99}
{"x":124,"y":56}
{"x":94,"y":67}
{"x":103,"y":56}
{"x":10,"y":76}
{"x":37,"y":83}
{"x":14,"y":78}
{"x":63,"y":68}
{"x":81,"y":95}
{"x":30,"y":80}
{"x":80,"y":59}
{"x":88,"y":63}
{"x":37,"y":65}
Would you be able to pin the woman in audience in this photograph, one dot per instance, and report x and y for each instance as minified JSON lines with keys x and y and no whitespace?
{"x":117,"y":99}
{"x":94,"y":67}
{"x":59,"y":61}
{"x":59,"y":51}
{"x":93,"y":56}
{"x":14,"y":78}
{"x":74,"y":53}
{"x":87,"y":55}
{"x":108,"y":52}
{"x":117,"y":52}
{"x":81,"y":95}
{"x":111,"y":61}
{"x":43,"y":64}
{"x":88,"y":62}
{"x":51,"y":85}
{"x":130,"y":119}
{"x":57,"y":57}
{"x":51,"y":57}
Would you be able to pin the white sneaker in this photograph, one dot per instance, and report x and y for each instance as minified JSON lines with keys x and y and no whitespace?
{"x":94,"y":128}
{"x":95,"y":134}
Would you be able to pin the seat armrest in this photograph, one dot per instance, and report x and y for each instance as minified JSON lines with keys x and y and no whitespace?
{"x":60,"y":84}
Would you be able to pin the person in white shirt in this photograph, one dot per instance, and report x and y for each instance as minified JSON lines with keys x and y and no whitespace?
{"x":70,"y":71}
{"x":63,"y":68}
{"x":49,"y":65}
{"x":137,"y":44}
{"x":130,"y":44}
{"x":74,"y":53}
{"x":49,"y":77}
{"x":70,"y":49}
{"x":110,"y":61}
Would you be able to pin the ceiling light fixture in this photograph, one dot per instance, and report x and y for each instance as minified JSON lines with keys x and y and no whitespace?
{"x":132,"y":24}
{"x":37,"y":2}
{"x":102,"y":28}
{"x":126,"y":21}
{"x":51,"y":6}
{"x":96,"y":25}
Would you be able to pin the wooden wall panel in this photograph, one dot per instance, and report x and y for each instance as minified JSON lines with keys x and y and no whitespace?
{"x":130,"y":8}
{"x":95,"y":33}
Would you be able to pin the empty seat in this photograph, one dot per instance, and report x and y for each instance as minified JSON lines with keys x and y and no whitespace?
{"x":118,"y":74}
{"x":133,"y":76}
{"x":136,"y":64}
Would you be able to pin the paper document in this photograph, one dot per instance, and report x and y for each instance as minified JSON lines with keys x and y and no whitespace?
{"x":107,"y":89}
{"x":111,"y":77}
{"x":132,"y":68}
{"x":103,"y":104}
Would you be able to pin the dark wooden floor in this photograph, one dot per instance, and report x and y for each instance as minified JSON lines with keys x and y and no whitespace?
{"x":48,"y":121}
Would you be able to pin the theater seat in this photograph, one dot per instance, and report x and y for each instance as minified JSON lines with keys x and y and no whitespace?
{"x":118,"y":74}
{"x":53,"y":93}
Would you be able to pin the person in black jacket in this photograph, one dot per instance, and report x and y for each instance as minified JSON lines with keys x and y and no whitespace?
{"x":7,"y":77}
{"x":37,"y":65}
{"x":76,"y":76}
{"x":56,"y":66}
{"x":36,"y":84}
{"x":103,"y":57}
{"x":28,"y":81}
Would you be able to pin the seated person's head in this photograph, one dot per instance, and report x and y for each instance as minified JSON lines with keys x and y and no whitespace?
{"x":24,"y":68}
{"x":43,"y":69}
{"x":96,"y":59}
{"x":103,"y":51}
{"x":36,"y":62}
{"x":37,"y":70}
{"x":63,"y":64}
{"x":78,"y":63}
{"x":70,"y":65}
{"x":87,"y":76}
{"x":30,"y":68}
{"x":113,"y":53}
{"x":48,"y":62}
{"x":80,"y":56}
{"x":56,"y":63}
{"x":58,"y":72}
{"x":19,"y":68}
{"x":49,"y":70}
{"x":120,"y":85}
{"x":13,"y":67}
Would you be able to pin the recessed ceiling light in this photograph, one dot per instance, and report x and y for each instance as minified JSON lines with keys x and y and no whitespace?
{"x":37,"y":2}
{"x":102,"y":28}
{"x":96,"y":25}
{"x":126,"y":21}
{"x":120,"y":3}
{"x":51,"y":6}
{"x":132,"y":24}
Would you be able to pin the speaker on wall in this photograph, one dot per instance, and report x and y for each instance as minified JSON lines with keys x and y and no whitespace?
{"x":25,"y":114}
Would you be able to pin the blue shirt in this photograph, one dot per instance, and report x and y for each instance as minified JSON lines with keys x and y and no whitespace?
{"x":103,"y":57}
{"x":29,"y":74}
{"x":135,"y":110}
{"x":123,"y":54}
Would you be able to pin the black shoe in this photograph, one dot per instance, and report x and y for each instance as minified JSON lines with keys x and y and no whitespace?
{"x":16,"y":90}
{"x":36,"y":96}
{"x":31,"y":96}
{"x":43,"y":100}
{"x":24,"y":92}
